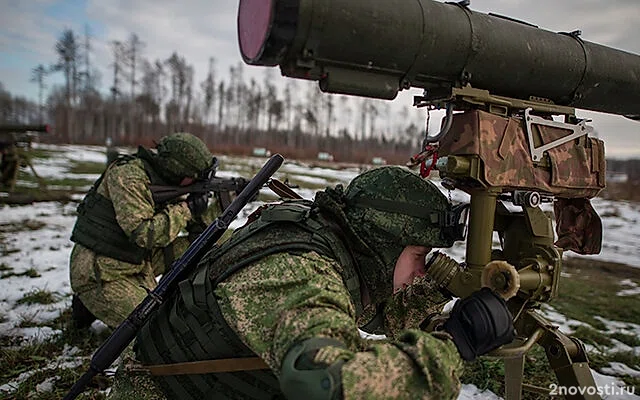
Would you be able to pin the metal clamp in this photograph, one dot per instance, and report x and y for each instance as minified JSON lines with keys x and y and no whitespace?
{"x":579,"y":129}
{"x":445,"y":127}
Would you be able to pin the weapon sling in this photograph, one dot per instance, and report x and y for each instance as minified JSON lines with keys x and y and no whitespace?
{"x":206,"y":366}
{"x":127,"y":330}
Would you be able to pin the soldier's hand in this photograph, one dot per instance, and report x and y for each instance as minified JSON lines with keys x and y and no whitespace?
{"x":480,"y":323}
{"x":194,"y":229}
{"x":197,"y":203}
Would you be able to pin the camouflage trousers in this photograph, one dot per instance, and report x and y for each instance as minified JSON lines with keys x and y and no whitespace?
{"x":9,"y":166}
{"x":111,"y":289}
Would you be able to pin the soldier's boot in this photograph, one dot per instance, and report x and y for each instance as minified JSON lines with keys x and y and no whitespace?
{"x":80,"y":315}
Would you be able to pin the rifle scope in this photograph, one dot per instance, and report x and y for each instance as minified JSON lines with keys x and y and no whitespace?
{"x":375,"y":48}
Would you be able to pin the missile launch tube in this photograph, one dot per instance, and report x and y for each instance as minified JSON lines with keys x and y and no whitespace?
{"x":376,"y":47}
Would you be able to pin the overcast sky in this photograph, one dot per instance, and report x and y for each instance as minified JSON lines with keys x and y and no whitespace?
{"x":199,"y":29}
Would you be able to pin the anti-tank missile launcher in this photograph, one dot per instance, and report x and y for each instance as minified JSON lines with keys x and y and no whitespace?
{"x":504,"y":84}
{"x":376,"y":48}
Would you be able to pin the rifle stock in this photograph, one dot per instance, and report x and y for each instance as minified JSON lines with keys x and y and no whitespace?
{"x":126,"y":331}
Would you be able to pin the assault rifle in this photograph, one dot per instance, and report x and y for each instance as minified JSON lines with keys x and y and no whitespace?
{"x":501,"y":82}
{"x":127,"y":330}
{"x":220,"y":187}
{"x":208,"y":183}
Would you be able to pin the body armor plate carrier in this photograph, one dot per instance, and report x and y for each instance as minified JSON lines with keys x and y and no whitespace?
{"x":97,"y":228}
{"x":189,"y":326}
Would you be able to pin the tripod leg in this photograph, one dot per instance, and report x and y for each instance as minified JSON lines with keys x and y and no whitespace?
{"x":513,"y":376}
{"x":41,"y":182}
{"x":569,"y":361}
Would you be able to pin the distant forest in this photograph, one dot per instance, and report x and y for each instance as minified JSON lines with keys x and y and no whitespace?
{"x":631,"y":168}
{"x":151,"y":98}
{"x":148,"y":99}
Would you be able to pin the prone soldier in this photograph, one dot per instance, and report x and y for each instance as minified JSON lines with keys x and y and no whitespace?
{"x":281,"y":301}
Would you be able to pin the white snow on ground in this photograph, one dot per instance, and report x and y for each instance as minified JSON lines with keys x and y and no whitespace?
{"x":632,"y":288}
{"x":68,"y":359}
{"x":46,"y":251}
{"x":613,"y":388}
{"x":616,"y":368}
{"x":565,"y":324}
{"x":469,"y":392}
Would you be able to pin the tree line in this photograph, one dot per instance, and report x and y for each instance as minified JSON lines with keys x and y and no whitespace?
{"x":151,"y":98}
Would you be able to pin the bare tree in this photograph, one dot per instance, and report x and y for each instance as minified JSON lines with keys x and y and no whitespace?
{"x":176,"y":72}
{"x":221,"y":103}
{"x":208,"y":88}
{"x":239,"y":89}
{"x":310,"y":118}
{"x":148,"y":97}
{"x":5,"y":105}
{"x":288,"y":110}
{"x":276,"y":113}
{"x":179,"y":108}
{"x":119,"y":52}
{"x":313,"y":108}
{"x":160,"y":89}
{"x":133,"y":48}
{"x":373,"y":116}
{"x":17,"y":109}
{"x":37,"y":75}
{"x":188,"y":94}
{"x":329,"y":107}
{"x":362,"y":127}
{"x":254,"y":105}
{"x":86,"y":74}
{"x":230,"y":94}
{"x":119,"y":60}
{"x":67,"y":49}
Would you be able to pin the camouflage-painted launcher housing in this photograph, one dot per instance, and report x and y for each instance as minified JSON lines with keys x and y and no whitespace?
{"x":493,"y":151}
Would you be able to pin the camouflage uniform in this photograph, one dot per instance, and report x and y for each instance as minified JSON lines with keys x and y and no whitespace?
{"x":279,"y":303}
{"x":109,"y":287}
{"x":9,"y":166}
{"x":412,"y":364}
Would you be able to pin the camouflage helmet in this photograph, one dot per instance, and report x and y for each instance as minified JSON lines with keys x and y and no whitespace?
{"x":182,"y":155}
{"x":390,"y":208}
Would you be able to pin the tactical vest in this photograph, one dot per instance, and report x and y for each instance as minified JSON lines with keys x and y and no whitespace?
{"x":97,"y":228}
{"x":190,"y":326}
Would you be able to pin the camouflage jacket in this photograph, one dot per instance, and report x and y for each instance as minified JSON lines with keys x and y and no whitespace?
{"x":127,"y":187}
{"x":284,"y":299}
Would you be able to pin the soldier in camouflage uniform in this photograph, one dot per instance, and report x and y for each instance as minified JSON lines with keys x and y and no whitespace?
{"x":124,"y":240}
{"x":293,"y":286}
{"x":9,"y":165}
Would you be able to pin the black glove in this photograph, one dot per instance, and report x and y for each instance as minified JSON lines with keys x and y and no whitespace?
{"x":198,"y":203}
{"x":480,"y":323}
{"x":194,"y":229}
